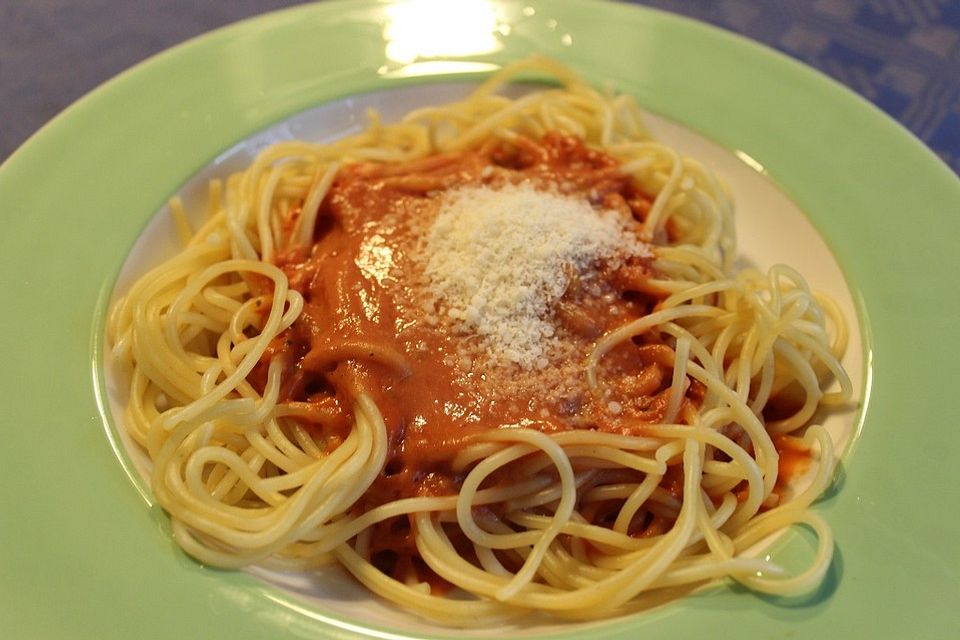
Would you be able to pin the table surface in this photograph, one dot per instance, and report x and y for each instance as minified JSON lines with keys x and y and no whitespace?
{"x":902,"y":55}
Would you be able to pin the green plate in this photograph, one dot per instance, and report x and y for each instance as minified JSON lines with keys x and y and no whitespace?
{"x":82,"y":556}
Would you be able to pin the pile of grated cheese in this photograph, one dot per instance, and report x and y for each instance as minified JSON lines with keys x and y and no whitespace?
{"x":499,"y":259}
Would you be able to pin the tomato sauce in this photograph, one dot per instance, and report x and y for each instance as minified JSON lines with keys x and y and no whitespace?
{"x":364,"y":326}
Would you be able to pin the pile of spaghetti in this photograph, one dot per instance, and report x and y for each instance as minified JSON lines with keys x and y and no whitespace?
{"x":492,"y":359}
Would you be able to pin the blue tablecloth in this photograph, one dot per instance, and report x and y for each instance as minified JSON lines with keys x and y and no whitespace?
{"x":902,"y":55}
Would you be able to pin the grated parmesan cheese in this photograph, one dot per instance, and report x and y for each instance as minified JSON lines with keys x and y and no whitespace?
{"x":500,"y":258}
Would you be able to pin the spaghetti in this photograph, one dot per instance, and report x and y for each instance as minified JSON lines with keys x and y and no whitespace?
{"x":499,"y":348}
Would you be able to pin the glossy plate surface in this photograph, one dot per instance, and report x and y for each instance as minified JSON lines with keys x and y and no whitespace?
{"x":82,"y":557}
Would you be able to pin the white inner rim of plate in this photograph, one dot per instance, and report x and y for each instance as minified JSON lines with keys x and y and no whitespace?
{"x":771,"y":229}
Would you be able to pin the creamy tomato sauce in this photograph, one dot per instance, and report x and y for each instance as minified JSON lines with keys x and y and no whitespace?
{"x":365,"y":325}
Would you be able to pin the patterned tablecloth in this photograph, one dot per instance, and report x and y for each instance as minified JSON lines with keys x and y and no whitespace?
{"x":902,"y":55}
